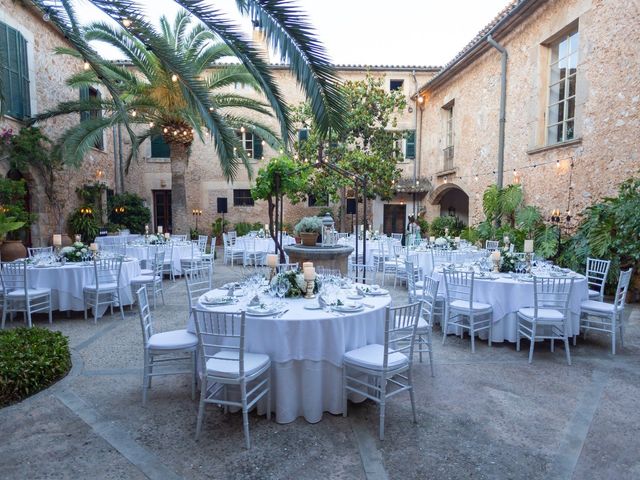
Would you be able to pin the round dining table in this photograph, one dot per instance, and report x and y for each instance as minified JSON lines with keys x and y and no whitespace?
{"x":181,"y":250}
{"x":306,"y":348}
{"x":507,"y":294}
{"x":424,"y":258}
{"x":67,"y":282}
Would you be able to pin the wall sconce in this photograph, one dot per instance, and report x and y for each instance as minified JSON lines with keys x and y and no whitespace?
{"x":99,"y":174}
{"x":196,"y":212}
{"x":86,"y":210}
{"x":119,"y":209}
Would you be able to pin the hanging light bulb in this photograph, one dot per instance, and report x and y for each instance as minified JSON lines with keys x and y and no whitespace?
{"x":557,"y":163}
{"x":211,"y":109}
{"x":133,"y":113}
{"x":175,"y":132}
{"x":281,"y":151}
{"x":476,"y":178}
{"x":126,"y":22}
{"x":151,"y":124}
{"x":193,"y":130}
{"x":174,"y":78}
{"x":242,"y":129}
{"x":86,"y":65}
{"x":263,"y":143}
{"x":165,"y":130}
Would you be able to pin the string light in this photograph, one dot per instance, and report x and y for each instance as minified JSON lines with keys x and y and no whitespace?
{"x":241,"y":129}
{"x":86,"y":66}
{"x":126,"y":22}
{"x":174,"y":78}
{"x":557,"y":163}
{"x":151,"y":124}
{"x":516,"y":173}
{"x":263,"y":143}
{"x":165,"y":130}
{"x":133,"y":113}
{"x":46,"y":17}
{"x":211,"y":109}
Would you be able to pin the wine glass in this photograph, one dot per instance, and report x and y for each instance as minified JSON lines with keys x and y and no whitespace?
{"x":283,"y":288}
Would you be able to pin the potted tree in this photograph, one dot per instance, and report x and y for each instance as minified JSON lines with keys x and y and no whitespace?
{"x":308,"y":229}
{"x":10,"y":224}
{"x":13,"y":209}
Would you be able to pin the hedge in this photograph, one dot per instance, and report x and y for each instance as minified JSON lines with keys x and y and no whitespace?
{"x":31,"y":359}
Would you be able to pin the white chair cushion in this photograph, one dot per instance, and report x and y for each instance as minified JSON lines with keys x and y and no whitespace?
{"x":146,"y":271}
{"x":33,"y":292}
{"x":596,"y":306}
{"x":372,"y":357}
{"x":143,"y":279}
{"x":423,"y":326}
{"x":220,"y":367}
{"x":172,"y":340}
{"x":104,"y":286}
{"x":464,"y":305}
{"x":593,"y":293}
{"x":543,"y":313}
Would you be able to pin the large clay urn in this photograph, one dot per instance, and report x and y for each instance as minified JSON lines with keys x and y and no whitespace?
{"x":308,"y":238}
{"x":12,"y":250}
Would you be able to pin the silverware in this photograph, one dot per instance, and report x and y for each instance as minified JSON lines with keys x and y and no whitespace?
{"x":282,"y":313}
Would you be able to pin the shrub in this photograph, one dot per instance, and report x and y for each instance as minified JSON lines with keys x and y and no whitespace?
{"x":242,"y":228}
{"x":438,"y":225}
{"x":135,"y":215}
{"x":84,"y":224}
{"x":31,"y":359}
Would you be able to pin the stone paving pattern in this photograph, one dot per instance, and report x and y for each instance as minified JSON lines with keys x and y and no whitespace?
{"x":486,"y":415}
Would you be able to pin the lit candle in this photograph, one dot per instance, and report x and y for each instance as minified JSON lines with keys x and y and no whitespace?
{"x":78,"y":238}
{"x":146,"y":229}
{"x":167,"y":235}
{"x":432,"y":239}
{"x":506,"y":239}
{"x":266,"y":227}
{"x":309,"y":274}
{"x":446,"y":231}
{"x":307,"y":265}
{"x":93,"y":247}
{"x":159,"y":228}
{"x":528,"y":246}
{"x":457,"y":239}
{"x":495,"y":256}
{"x":57,"y":240}
{"x":272,"y":260}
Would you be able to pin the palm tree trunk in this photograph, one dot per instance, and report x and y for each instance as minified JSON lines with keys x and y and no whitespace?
{"x":179,"y":163}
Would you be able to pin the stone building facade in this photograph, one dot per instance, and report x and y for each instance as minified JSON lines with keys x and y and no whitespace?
{"x":46,"y":74}
{"x":564,"y":162}
{"x":151,"y":177}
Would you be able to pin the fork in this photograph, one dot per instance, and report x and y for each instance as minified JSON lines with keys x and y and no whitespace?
{"x":282,"y":313}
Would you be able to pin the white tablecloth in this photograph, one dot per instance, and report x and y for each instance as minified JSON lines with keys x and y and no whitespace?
{"x":180,"y":251}
{"x":66,"y":283}
{"x":507,"y":296}
{"x":424,"y":260}
{"x":306,"y":349}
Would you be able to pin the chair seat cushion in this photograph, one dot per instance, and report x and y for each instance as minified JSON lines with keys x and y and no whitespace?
{"x":423,"y":326}
{"x":372,"y":357}
{"x":144,"y":279}
{"x":103,"y":286}
{"x":33,"y":292}
{"x":146,"y":271}
{"x":543,"y":313}
{"x":172,"y":340}
{"x":225,"y":364}
{"x":595,"y":306}
{"x":593,"y":293}
{"x":464,"y":305}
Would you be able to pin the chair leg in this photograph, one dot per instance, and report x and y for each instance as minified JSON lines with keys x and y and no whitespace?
{"x":472,"y":333}
{"x":383,"y":394}
{"x":429,"y":339}
{"x":145,"y":378}
{"x":50,"y":311}
{"x":4,"y":311}
{"x":193,"y":376}
{"x":95,"y":308}
{"x":245,"y":416}
{"x":412,"y":397}
{"x":344,"y":391}
{"x":490,"y":328}
{"x":28,"y":314}
{"x":518,"y":336}
{"x":420,"y":344}
{"x":533,"y":342}
{"x":269,"y":395}
{"x":551,"y":344}
{"x":566,"y":349}
{"x":84,"y":295}
{"x":203,"y":394}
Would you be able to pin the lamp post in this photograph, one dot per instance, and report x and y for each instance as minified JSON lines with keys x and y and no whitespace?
{"x":196,"y":212}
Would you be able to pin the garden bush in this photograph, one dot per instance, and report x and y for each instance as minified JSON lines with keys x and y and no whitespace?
{"x":242,"y":228}
{"x":31,"y":359}
{"x":135,"y":215}
{"x":438,"y":225}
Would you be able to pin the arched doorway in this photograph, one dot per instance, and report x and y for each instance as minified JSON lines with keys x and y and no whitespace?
{"x":452,"y":201}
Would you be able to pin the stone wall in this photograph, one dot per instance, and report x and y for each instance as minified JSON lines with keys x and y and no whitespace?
{"x":605,"y":151}
{"x":205,"y":182}
{"x":48,"y":73}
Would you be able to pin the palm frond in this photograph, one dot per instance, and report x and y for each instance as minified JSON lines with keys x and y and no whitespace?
{"x":230,"y":75}
{"x":236,"y":101}
{"x":78,"y":140}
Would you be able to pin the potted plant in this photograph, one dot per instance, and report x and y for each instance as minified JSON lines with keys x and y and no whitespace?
{"x":308,"y":229}
{"x":10,"y":224}
{"x":13,"y":206}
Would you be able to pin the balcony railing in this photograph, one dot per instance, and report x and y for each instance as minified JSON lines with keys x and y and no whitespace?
{"x":448,"y":158}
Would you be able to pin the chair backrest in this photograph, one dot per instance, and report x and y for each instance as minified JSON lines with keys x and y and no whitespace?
{"x":623,"y":287}
{"x":597,"y":271}
{"x":232,"y":236}
{"x":158,"y":263}
{"x":439,"y":257}
{"x":429,"y":297}
{"x":117,"y":248}
{"x":202,"y":242}
{"x":285,"y":267}
{"x":220,"y":333}
{"x":396,"y":236}
{"x":459,"y":285}
{"x":107,"y":270}
{"x":491,"y":244}
{"x":361,"y":273}
{"x":413,"y":276}
{"x":168,"y":252}
{"x":146,"y":321}
{"x":14,"y":276}
{"x":179,"y":238}
{"x":552,"y":292}
{"x":400,"y":330}
{"x":33,"y":251}
{"x":198,"y":282}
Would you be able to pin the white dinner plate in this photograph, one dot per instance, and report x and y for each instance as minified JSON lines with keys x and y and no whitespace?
{"x":348,"y":308}
{"x":312,"y":306}
{"x":380,"y":291}
{"x":355,"y":296}
{"x":226,"y":300}
{"x":259,"y":312}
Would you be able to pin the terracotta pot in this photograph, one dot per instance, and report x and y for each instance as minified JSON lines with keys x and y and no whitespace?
{"x":309,"y":238}
{"x":12,"y":250}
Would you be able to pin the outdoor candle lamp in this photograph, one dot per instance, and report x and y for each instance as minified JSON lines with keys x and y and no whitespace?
{"x":159,"y":229}
{"x":196,"y":212}
{"x":327,"y":230}
{"x":78,"y":238}
{"x":309,"y":275}
{"x":495,"y":258}
{"x":528,"y":250}
{"x":57,"y":240}
{"x":272,"y":262}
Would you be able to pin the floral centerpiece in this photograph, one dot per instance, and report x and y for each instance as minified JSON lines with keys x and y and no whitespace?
{"x":155,"y":239}
{"x":508,"y":260}
{"x":295,"y":281}
{"x":77,"y":252}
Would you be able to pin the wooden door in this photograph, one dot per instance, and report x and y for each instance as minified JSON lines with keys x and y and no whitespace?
{"x":395,"y":217}
{"x":162,"y":210}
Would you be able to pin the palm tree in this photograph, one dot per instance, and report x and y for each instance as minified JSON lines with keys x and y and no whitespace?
{"x":157,"y":103}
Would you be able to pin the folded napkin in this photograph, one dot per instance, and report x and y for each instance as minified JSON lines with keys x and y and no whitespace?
{"x":322,"y":302}
{"x":360,"y":290}
{"x":255,"y":301}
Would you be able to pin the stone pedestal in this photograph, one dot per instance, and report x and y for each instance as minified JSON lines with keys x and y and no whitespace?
{"x":334,"y":257}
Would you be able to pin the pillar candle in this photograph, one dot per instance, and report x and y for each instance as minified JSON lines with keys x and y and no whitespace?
{"x":57,"y":240}
{"x":167,"y":235}
{"x":528,"y":246}
{"x":93,"y":246}
{"x":160,"y":229}
{"x":495,"y":256}
{"x":309,"y":274}
{"x":272,"y":260}
{"x":307,"y":265}
{"x":457,"y":239}
{"x":78,"y":238}
{"x":432,"y":239}
{"x":266,"y":227}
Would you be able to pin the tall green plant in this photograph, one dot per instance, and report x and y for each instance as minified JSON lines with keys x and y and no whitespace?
{"x":128,"y":209}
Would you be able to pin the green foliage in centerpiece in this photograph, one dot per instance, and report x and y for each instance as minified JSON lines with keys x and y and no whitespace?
{"x":508,"y":260}
{"x":77,"y":252}
{"x":295,"y":280}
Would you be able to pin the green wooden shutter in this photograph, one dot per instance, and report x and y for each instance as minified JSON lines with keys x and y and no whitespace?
{"x":410,"y":145}
{"x":159,"y":148}
{"x":14,"y":70}
{"x":23,"y":72}
{"x":257,"y":147}
{"x":303,"y":135}
{"x":84,"y":95}
{"x":4,"y":69}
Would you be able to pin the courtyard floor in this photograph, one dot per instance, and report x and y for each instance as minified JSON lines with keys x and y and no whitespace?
{"x":484,"y":415}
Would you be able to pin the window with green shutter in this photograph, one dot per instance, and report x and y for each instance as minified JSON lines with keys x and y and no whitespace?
{"x":303,"y":135}
{"x":90,"y":93}
{"x":14,"y":70}
{"x":159,"y":148}
{"x":257,"y":147}
{"x":410,"y":145}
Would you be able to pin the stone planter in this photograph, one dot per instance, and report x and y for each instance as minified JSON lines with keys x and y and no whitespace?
{"x":12,"y":250}
{"x":309,"y":239}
